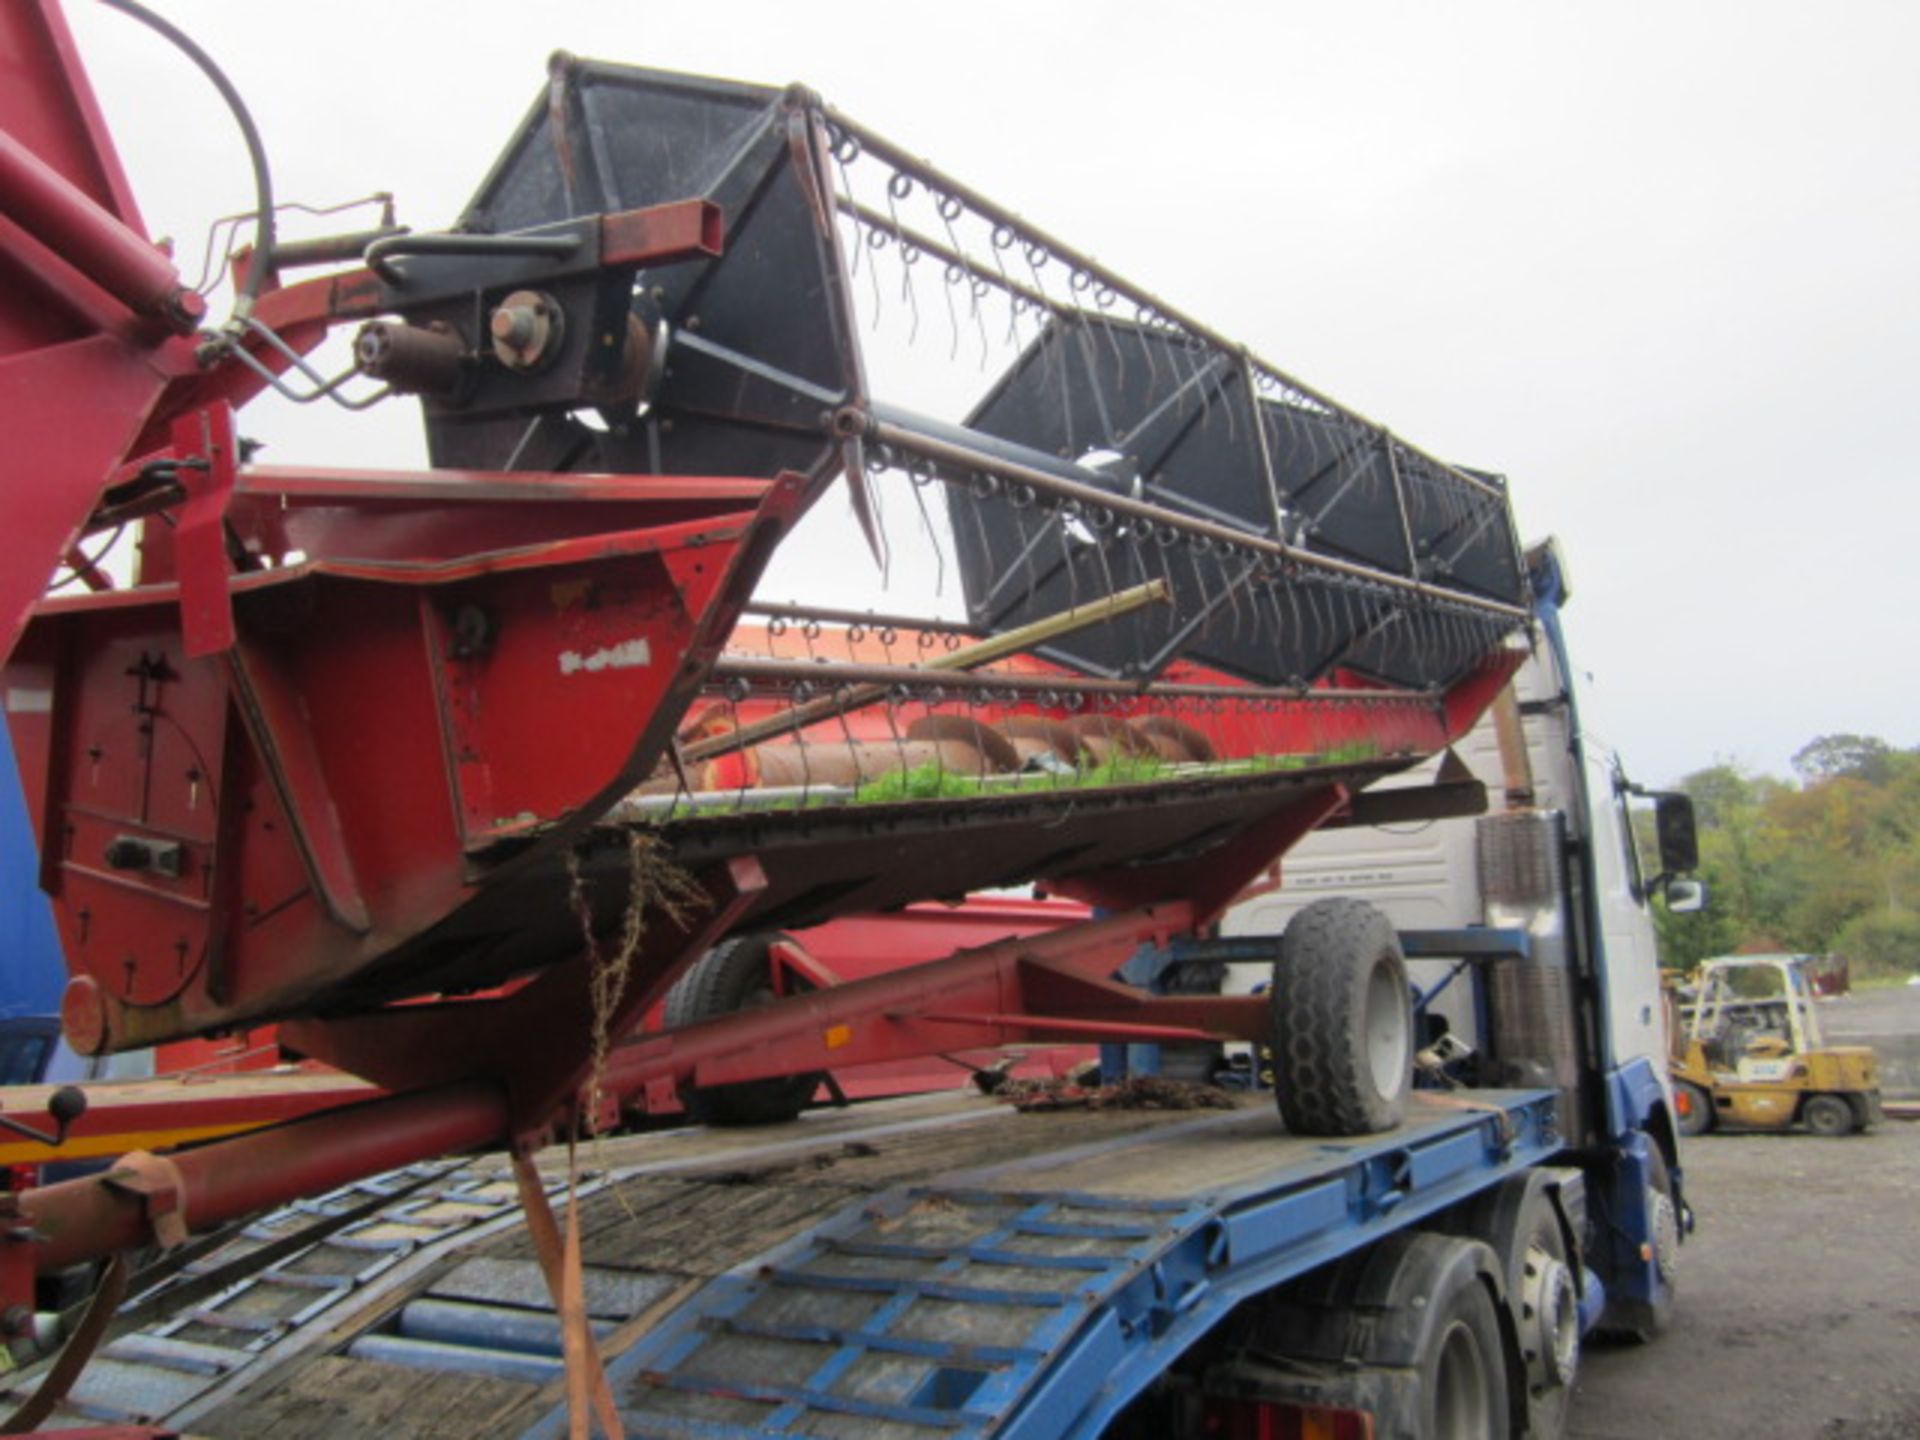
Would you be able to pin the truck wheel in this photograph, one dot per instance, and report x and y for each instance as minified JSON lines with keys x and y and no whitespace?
{"x":1652,"y":1319}
{"x":1693,"y":1108}
{"x":1436,"y":1316}
{"x":1342,"y":1021}
{"x":1827,"y":1115}
{"x":1407,"y":1330}
{"x":735,"y":975}
{"x":1519,"y":1221}
{"x":1463,"y":1377}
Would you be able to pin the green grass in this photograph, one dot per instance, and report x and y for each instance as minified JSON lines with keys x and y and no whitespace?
{"x":934,"y":782}
{"x":923,"y":782}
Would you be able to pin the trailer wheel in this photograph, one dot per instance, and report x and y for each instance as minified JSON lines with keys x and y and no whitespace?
{"x":1827,"y":1115}
{"x":1342,"y":1021}
{"x":1694,"y":1108}
{"x":736,"y":975}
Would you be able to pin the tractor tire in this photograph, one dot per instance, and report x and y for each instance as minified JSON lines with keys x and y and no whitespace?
{"x":1693,"y":1109}
{"x":736,"y":975}
{"x":1828,"y":1115}
{"x":1342,"y":1018}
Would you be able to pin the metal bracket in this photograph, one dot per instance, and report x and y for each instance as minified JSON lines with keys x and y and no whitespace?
{"x":200,"y":542}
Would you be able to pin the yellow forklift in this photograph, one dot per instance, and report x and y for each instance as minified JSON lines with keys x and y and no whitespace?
{"x":1748,"y":1054}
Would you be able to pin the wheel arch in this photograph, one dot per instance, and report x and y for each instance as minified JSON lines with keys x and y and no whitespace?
{"x":1638,"y":1100}
{"x":1660,"y":1126}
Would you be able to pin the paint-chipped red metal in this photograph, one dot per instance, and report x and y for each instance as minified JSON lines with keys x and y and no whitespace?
{"x":662,"y":234}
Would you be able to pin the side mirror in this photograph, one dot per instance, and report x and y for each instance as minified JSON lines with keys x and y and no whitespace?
{"x":1685,"y":897}
{"x":1679,"y":842}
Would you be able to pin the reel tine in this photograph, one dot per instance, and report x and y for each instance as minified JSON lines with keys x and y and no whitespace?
{"x":860,"y":493}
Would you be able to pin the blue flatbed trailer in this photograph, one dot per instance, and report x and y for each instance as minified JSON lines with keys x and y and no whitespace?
{"x":1065,"y":1281}
{"x":934,"y":1266}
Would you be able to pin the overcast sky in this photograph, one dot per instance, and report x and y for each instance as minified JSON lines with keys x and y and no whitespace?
{"x":1657,"y":263}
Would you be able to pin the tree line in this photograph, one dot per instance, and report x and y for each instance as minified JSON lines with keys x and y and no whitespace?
{"x":1825,"y":863}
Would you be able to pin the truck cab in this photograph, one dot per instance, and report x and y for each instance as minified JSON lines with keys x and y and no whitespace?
{"x":1586,"y":915}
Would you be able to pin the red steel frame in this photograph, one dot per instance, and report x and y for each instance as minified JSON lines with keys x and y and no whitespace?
{"x":859,"y":947}
{"x":313,"y":830}
{"x":168,"y":1111}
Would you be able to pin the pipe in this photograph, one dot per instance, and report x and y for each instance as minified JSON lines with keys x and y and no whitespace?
{"x":486,"y":1327}
{"x":464,"y":1359}
{"x":976,"y":455}
{"x":1516,"y":765}
{"x":264,"y":226}
{"x":330,"y":249}
{"x":768,"y":798}
{"x":869,"y":619}
{"x":381,"y":254}
{"x":984,"y":652}
{"x":81,"y":1219}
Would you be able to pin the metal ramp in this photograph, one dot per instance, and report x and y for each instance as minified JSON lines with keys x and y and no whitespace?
{"x":420,"y":1273}
{"x":230,"y":1309}
{"x":1032,"y":1299}
{"x":931,"y":1312}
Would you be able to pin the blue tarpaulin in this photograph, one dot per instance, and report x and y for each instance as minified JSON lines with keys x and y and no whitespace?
{"x":30,"y":970}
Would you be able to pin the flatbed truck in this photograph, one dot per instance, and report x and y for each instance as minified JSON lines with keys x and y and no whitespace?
{"x":943,"y":1265}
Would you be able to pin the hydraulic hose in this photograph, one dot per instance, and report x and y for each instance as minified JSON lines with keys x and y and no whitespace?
{"x":263,"y":233}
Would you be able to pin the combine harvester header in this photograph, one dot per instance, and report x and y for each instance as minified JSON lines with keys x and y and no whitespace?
{"x":508,"y":740}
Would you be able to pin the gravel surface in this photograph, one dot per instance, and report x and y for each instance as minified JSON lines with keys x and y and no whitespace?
{"x":1799,"y":1308}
